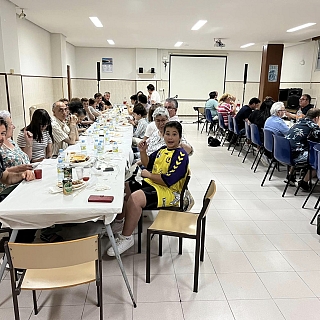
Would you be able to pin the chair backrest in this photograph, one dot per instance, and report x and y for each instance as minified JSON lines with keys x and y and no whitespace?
{"x":184,"y":188}
{"x":208,"y":115}
{"x":268,"y":140}
{"x":211,"y":190}
{"x":282,"y":150}
{"x":235,"y":125}
{"x":317,"y":150}
{"x":313,"y":156}
{"x":230,"y":123}
{"x":247,"y":129}
{"x":54,"y":255}
{"x":255,"y":134}
{"x":202,"y":110}
{"x":221,"y":122}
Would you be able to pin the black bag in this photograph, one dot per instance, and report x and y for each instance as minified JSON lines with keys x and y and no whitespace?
{"x":213,"y":142}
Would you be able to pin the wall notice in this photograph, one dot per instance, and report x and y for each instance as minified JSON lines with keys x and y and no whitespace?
{"x":273,"y":73}
{"x":107,"y":65}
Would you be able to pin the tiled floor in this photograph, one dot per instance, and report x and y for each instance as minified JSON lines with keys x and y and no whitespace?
{"x":262,"y":258}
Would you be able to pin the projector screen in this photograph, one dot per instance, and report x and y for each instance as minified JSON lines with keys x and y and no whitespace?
{"x":193,"y":77}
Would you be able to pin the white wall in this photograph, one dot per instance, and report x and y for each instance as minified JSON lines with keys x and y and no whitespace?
{"x":71,"y":59}
{"x":124,"y":62}
{"x":34,"y":49}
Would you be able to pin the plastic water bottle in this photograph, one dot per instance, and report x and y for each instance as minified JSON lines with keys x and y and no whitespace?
{"x":115,"y":147}
{"x":100,"y":148}
{"x":95,"y":146}
{"x":61,"y":154}
{"x":83,"y":146}
{"x":106,"y":138}
{"x":299,"y":114}
{"x":60,"y":168}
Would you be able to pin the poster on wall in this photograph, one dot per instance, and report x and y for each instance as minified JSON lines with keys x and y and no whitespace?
{"x":273,"y":73}
{"x":107,"y":65}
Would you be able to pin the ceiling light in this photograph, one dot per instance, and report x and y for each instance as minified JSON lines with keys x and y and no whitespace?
{"x":178,"y":44}
{"x":301,"y":27}
{"x":247,"y":45}
{"x":96,"y":22}
{"x":111,"y":42}
{"x":199,"y":24}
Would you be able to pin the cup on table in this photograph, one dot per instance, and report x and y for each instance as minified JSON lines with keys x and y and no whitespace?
{"x":86,"y":174}
{"x":38,"y":173}
{"x":79,"y":172}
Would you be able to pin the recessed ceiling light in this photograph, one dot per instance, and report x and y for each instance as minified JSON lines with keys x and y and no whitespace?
{"x":301,"y":27}
{"x":96,"y":22}
{"x":247,"y":45}
{"x":111,"y":42}
{"x":199,"y":24}
{"x":178,"y":44}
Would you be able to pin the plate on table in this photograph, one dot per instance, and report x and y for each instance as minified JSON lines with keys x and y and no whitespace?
{"x":76,"y":184}
{"x":79,"y":160}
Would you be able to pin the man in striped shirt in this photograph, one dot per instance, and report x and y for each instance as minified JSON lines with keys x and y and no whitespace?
{"x":63,"y":135}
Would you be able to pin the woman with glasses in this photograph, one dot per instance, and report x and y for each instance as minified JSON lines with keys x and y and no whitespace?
{"x":275,"y":123}
{"x":36,"y":139}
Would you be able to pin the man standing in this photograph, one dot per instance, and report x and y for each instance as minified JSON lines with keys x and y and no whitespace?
{"x":171,"y":105}
{"x":304,"y":107}
{"x":154,"y":96}
{"x":62,"y":134}
{"x":245,"y":112}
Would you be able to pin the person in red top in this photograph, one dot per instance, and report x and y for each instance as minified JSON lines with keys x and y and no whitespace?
{"x":225,"y":107}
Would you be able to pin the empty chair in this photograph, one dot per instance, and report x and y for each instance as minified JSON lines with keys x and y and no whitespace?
{"x":183,"y":225}
{"x":282,"y":153}
{"x":248,"y":140}
{"x":255,"y":138}
{"x":231,"y":129}
{"x":55,"y":266}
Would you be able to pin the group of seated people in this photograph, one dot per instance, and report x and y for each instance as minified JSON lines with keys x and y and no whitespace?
{"x":270,"y":115}
{"x":160,"y":141}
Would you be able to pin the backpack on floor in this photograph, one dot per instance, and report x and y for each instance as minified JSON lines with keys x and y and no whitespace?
{"x":213,"y":142}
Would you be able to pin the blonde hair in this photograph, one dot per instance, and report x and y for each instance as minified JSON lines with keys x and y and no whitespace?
{"x":224,"y":97}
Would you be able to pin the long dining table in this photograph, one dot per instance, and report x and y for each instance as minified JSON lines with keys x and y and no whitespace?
{"x":41,"y":203}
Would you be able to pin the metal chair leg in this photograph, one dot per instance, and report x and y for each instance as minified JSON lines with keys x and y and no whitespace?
{"x":265,"y":176}
{"x":140,"y":224}
{"x":148,"y":257}
{"x":311,"y":191}
{"x":245,"y":157}
{"x":196,"y":265}
{"x":261,"y":154}
{"x":315,"y":215}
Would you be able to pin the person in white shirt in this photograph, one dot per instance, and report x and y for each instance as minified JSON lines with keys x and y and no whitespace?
{"x":154,"y":96}
{"x":171,"y":105}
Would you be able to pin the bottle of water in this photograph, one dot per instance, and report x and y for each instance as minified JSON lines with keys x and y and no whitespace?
{"x":83,"y":146}
{"x":106,"y":138}
{"x":299,"y":114}
{"x":115,"y":147}
{"x":60,"y":169}
{"x":100,"y":148}
{"x":95,"y":146}
{"x":61,"y":154}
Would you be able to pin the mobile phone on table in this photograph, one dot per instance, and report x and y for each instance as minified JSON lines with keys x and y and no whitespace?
{"x":100,"y":198}
{"x":108,"y":169}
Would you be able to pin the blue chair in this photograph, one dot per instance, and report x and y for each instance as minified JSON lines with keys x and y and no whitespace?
{"x":317,"y":150}
{"x":268,"y":145}
{"x":231,"y":129}
{"x":314,"y":148}
{"x":237,"y":134}
{"x":222,"y":129}
{"x":210,"y":120}
{"x":248,"y":140}
{"x":255,"y":138}
{"x":282,"y":153}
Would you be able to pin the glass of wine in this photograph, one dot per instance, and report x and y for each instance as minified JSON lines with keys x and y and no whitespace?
{"x":86,"y":174}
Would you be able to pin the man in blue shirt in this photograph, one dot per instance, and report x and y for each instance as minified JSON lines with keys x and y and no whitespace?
{"x":275,"y":122}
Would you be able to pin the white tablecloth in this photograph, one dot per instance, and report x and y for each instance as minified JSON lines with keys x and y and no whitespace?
{"x":32,"y":206}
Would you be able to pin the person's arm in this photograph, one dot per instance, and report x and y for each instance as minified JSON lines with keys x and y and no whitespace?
{"x":143,"y":153}
{"x":153,"y":176}
{"x":25,"y":142}
{"x":90,"y":114}
{"x":49,"y":151}
{"x":20,"y":168}
{"x":186,"y":146}
{"x":12,"y":177}
{"x":71,"y":139}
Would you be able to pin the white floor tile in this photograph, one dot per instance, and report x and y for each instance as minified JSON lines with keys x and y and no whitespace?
{"x":302,"y":260}
{"x":256,"y":242}
{"x":273,"y":227}
{"x":243,"y":227}
{"x":158,"y":311}
{"x":221,"y":243}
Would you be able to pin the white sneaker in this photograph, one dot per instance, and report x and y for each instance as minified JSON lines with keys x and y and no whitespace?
{"x":117,"y":226}
{"x":123,"y":243}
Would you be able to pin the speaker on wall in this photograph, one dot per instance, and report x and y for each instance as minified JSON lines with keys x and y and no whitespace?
{"x":245,"y":73}
{"x":294,"y":95}
{"x":98,"y":71}
{"x":140,"y":70}
{"x":152,"y":70}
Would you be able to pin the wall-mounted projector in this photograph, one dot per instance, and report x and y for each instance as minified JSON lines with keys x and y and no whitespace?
{"x":218,"y":43}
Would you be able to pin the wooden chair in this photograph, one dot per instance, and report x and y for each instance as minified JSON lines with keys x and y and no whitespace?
{"x":179,"y":208}
{"x":182,"y":225}
{"x":54,"y":266}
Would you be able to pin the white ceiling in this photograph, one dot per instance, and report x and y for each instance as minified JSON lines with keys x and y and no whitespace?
{"x":161,"y":23}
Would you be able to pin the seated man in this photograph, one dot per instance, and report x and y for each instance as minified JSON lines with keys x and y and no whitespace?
{"x":298,"y":136}
{"x":165,"y":175}
{"x":244,"y":113}
{"x":275,"y":122}
{"x":171,"y":105}
{"x":304,"y":107}
{"x":63,"y":135}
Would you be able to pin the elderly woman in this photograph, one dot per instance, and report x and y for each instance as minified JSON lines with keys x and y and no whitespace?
{"x":156,"y":140}
{"x":163,"y":181}
{"x":225,"y":107}
{"x":14,"y":159}
{"x":275,"y":122}
{"x":40,"y":130}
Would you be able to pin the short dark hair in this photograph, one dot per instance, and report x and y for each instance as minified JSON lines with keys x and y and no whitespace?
{"x":142,"y":98}
{"x":134,"y":97}
{"x":213,"y":94}
{"x":98,"y":94}
{"x":3,"y":123}
{"x":307,"y":96}
{"x":174,"y":124}
{"x":313,"y":113}
{"x":140,"y":110}
{"x":174,"y":101}
{"x":254,"y":101}
{"x":150,"y":87}
{"x":151,"y":110}
{"x":84,"y":99}
{"x":91,"y":102}
{"x":74,"y":106}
